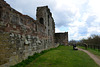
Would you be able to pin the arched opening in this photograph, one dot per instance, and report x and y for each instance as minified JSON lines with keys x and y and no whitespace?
{"x":0,"y":11}
{"x":48,"y":20}
{"x":41,"y":21}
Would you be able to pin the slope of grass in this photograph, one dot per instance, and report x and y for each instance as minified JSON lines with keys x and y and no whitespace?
{"x":94,"y":51}
{"x":63,"y":56}
{"x":31,"y":58}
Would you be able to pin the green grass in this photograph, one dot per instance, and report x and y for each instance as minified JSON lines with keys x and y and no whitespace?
{"x":94,"y":51}
{"x":63,"y":56}
{"x":31,"y":58}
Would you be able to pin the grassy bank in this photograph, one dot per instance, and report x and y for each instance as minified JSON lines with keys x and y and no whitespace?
{"x":94,"y":51}
{"x":32,"y":58}
{"x":63,"y":56}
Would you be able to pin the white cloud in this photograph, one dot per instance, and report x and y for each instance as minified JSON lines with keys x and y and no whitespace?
{"x":57,"y":30}
{"x":94,"y":30}
{"x":94,"y":8}
{"x":28,"y":7}
{"x":77,"y":24}
{"x":85,"y":16}
{"x":80,"y":18}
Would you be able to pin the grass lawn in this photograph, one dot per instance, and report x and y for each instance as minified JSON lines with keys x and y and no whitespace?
{"x":63,"y":56}
{"x":94,"y":51}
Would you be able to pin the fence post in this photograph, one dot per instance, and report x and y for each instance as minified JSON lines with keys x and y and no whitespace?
{"x":91,"y":47}
{"x":98,"y":48}
{"x":94,"y":47}
{"x":88,"y":46}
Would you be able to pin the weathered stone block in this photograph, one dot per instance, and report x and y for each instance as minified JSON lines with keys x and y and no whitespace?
{"x":21,"y":36}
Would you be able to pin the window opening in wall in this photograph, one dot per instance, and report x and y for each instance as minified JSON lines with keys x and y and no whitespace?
{"x":0,"y":11}
{"x":41,"y":21}
{"x":48,"y":20}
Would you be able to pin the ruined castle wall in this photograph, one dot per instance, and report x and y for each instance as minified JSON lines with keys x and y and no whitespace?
{"x":61,"y":38}
{"x":21,"y":36}
{"x":17,"y":36}
{"x":48,"y":23}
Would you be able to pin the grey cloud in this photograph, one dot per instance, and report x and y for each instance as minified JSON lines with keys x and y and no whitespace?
{"x":82,"y":31}
{"x":28,"y":7}
{"x":90,"y":19}
{"x":63,"y":18}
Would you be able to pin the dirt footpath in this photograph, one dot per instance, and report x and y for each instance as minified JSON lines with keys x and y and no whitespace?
{"x":94,"y":57}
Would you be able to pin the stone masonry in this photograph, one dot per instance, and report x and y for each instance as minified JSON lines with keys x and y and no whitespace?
{"x":61,"y":38}
{"x":22,"y":36}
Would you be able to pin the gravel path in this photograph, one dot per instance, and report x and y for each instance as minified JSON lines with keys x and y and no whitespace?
{"x":94,"y":57}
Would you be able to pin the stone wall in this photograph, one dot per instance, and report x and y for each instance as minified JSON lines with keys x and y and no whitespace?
{"x":61,"y":38}
{"x":22,"y":36}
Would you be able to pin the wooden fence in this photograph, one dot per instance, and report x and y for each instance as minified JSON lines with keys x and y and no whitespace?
{"x":94,"y":47}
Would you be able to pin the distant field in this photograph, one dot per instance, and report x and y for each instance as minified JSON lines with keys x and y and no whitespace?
{"x":63,"y":56}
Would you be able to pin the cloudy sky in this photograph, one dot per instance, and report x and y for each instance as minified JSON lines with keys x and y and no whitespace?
{"x":80,"y":18}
